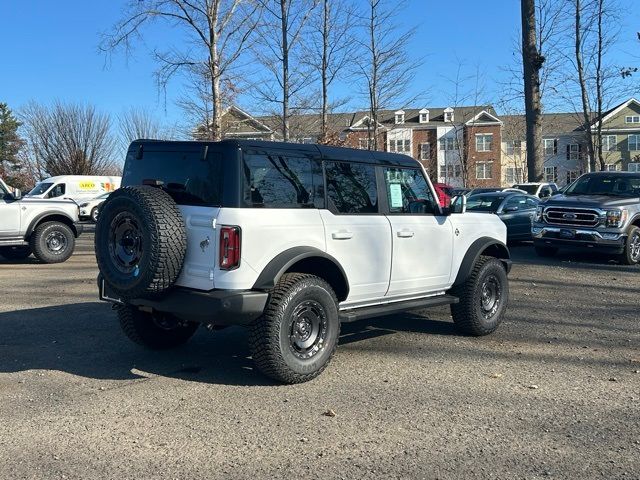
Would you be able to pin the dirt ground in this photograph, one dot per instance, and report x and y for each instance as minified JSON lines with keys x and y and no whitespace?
{"x":554,"y":393}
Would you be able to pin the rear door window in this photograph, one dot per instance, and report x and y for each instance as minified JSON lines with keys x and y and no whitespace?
{"x":351,"y":187}
{"x":278,"y":180}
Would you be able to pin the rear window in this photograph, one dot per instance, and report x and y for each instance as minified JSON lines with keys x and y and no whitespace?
{"x":188,"y":177}
{"x":282,"y":181}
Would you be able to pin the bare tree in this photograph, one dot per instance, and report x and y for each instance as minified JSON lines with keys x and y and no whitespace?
{"x":68,"y":139}
{"x":532,"y":62}
{"x":135,"y":123}
{"x":330,"y":51}
{"x":217,"y":30}
{"x":384,"y":67}
{"x":284,"y":76}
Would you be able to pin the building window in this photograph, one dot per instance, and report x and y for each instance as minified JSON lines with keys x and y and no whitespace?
{"x":484,"y":142}
{"x":609,"y":143}
{"x":424,"y":117}
{"x":400,"y":146}
{"x":425,"y":151}
{"x":484,"y":170}
{"x":448,"y":114}
{"x":447,"y":143}
{"x":632,"y":119}
{"x":550,"y":146}
{"x":365,"y":143}
{"x":513,"y":175}
{"x":634,"y":142}
{"x":450,"y":171}
{"x":551,"y":174}
{"x":634,"y":167}
{"x":573,"y":151}
{"x":399,"y":116}
{"x":612,"y":167}
{"x":572,"y":175}
{"x":514,"y":147}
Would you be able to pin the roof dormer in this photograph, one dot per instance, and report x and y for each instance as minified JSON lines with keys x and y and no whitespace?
{"x":423,"y":116}
{"x":399,"y":116}
{"x":448,"y":114}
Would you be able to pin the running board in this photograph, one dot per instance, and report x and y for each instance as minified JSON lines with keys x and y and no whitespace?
{"x":395,"y":307}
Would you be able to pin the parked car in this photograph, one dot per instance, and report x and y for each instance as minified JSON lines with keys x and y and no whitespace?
{"x":89,"y":210}
{"x":516,"y":210}
{"x":600,"y":211}
{"x":482,"y":190}
{"x":47,"y":229}
{"x":75,"y":187}
{"x":538,"y":189}
{"x":460,"y":191}
{"x":444,"y":192}
{"x":285,"y":246}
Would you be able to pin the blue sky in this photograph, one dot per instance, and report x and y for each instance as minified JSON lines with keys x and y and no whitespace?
{"x":50,"y":51}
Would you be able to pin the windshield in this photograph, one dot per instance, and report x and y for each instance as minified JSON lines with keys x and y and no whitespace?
{"x":40,"y":188}
{"x":484,"y":203}
{"x":530,"y":189}
{"x":602,"y":184}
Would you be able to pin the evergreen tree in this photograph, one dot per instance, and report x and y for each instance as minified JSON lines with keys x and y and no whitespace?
{"x":10,"y":141}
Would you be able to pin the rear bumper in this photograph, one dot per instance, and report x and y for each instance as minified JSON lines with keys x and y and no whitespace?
{"x":215,"y":307}
{"x":610,"y":242}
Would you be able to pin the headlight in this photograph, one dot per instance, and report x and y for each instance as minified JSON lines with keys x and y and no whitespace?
{"x":539,"y":211}
{"x":616,"y":218}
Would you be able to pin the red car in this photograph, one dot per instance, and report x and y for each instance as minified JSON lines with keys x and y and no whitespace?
{"x":445,"y":192}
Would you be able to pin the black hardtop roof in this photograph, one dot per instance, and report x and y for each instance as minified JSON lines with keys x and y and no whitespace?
{"x":615,"y":174}
{"x":327,"y":152}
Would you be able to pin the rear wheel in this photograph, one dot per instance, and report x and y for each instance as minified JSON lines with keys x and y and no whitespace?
{"x":19,"y":252}
{"x":483,"y":298}
{"x":157,"y":331}
{"x":52,"y":242}
{"x":546,"y":251}
{"x":296,"y":338}
{"x":631,"y":254}
{"x":94,"y":214}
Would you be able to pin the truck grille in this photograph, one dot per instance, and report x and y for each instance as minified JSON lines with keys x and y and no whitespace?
{"x":575,"y":217}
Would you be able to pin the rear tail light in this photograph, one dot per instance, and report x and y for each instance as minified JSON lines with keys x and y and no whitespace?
{"x":229,"y":248}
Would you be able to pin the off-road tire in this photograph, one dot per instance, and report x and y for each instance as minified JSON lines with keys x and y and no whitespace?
{"x":156,"y":241}
{"x":94,"y":215}
{"x":19,"y":252}
{"x":142,"y":328}
{"x":546,"y":252}
{"x":468,"y":314}
{"x":629,"y":256}
{"x":47,"y":236}
{"x":270,"y":336}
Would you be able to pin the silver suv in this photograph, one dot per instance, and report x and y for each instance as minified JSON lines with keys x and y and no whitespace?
{"x":45,"y":228}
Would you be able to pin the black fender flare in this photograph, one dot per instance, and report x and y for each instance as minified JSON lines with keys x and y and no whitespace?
{"x":473,"y":254}
{"x":272,"y":272}
{"x":55,"y":216}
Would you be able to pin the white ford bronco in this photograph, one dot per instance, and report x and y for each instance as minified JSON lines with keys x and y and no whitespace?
{"x":46,"y":228}
{"x":289,"y":240}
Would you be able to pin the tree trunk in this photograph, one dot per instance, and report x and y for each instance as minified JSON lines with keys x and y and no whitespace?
{"x":532,"y":63}
{"x":285,"y":70}
{"x":374,"y":77}
{"x":599,"y":88}
{"x":583,"y":89}
{"x":325,"y":50}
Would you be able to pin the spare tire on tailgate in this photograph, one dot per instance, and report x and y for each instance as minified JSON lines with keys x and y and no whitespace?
{"x":140,"y":241}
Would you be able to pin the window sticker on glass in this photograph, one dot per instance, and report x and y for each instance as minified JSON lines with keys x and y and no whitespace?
{"x":395,"y":189}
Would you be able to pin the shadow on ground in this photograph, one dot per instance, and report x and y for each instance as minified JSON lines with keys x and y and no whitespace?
{"x":85,"y":339}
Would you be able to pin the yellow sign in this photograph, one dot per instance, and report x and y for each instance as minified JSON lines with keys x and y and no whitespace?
{"x":87,"y":185}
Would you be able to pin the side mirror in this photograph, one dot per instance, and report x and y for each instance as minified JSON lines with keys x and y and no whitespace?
{"x":510,"y":209}
{"x":17,"y":194}
{"x":458,"y":205}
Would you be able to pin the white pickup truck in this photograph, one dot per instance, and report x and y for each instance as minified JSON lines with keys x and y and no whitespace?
{"x":45,"y":228}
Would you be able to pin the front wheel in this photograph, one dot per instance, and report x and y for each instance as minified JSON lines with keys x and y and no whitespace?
{"x":297,"y":335}
{"x":156,"y":331}
{"x":94,"y":214}
{"x":52,"y":242}
{"x":631,"y":254}
{"x":483,"y":298}
{"x":19,"y":252}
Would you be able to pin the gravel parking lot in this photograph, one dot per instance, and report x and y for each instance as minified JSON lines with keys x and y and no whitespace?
{"x":553,"y":394}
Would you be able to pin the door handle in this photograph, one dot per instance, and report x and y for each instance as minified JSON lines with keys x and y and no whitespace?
{"x":342,"y":235}
{"x":405,"y":234}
